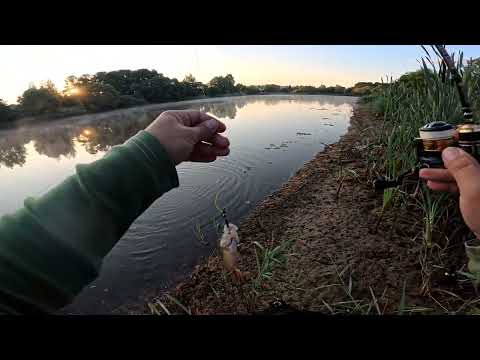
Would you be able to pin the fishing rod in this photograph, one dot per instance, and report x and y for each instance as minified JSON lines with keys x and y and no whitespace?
{"x":438,"y":135}
{"x":448,"y":61}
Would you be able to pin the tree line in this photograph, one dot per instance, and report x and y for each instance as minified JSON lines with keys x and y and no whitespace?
{"x":127,"y":88}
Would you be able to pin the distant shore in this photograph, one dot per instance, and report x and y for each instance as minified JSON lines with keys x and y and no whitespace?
{"x":134,"y":111}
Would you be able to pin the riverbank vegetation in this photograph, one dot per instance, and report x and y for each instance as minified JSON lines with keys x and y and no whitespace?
{"x":106,"y":91}
{"x":405,"y":105}
{"x":352,"y":250}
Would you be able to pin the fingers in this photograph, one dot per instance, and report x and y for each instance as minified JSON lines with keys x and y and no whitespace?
{"x":443,"y":186}
{"x":207,"y":129}
{"x":200,"y":158}
{"x":464,"y":169}
{"x":461,"y":164}
{"x":206,"y":153}
{"x":203,"y":117}
{"x":199,"y":118}
{"x":193,"y":118}
{"x":438,"y":175}
{"x":219,"y":141}
{"x":439,"y":180}
{"x":201,"y":126}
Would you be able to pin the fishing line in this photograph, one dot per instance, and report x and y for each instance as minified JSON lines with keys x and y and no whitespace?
{"x":198,"y":67}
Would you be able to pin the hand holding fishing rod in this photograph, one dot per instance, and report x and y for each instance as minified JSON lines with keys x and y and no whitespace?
{"x":81,"y":219}
{"x":439,"y":135}
{"x":448,"y":157}
{"x":460,"y":155}
{"x":462,"y":175}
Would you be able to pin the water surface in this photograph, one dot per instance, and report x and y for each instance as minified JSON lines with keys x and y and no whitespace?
{"x":271,"y":138}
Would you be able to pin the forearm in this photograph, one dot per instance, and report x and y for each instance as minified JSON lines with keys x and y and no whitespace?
{"x":54,"y":246}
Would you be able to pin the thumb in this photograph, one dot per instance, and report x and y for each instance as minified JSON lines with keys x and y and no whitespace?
{"x":205,"y":130}
{"x":465,"y":169}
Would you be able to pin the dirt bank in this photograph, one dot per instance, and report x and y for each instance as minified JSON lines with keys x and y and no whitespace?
{"x":332,"y":259}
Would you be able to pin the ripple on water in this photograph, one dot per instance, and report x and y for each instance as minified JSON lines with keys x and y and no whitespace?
{"x":162,"y":241}
{"x":178,"y":212}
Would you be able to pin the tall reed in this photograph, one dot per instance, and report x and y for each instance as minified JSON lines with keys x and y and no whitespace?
{"x":409,"y":103}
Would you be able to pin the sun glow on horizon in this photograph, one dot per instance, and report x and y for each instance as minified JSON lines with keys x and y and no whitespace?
{"x":73,"y":91}
{"x":249,"y":64}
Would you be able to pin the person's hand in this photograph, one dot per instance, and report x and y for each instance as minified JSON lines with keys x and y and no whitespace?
{"x":462,"y":175}
{"x":190,"y":135}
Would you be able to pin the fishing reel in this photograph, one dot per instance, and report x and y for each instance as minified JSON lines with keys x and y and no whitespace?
{"x":434,"y":138}
{"x":437,"y":136}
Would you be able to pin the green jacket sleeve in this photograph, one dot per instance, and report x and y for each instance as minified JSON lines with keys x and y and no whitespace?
{"x":54,"y":246}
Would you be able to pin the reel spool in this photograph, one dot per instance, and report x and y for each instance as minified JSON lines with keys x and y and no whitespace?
{"x":437,"y":136}
{"x":434,"y":138}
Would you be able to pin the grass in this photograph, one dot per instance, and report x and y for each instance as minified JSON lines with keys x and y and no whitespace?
{"x":405,"y":106}
{"x":432,"y":208}
{"x":352,"y":305}
{"x":159,"y":308}
{"x":268,"y":259}
{"x":357,"y":302}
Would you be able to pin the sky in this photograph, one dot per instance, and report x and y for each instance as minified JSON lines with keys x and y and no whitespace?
{"x":21,"y":65}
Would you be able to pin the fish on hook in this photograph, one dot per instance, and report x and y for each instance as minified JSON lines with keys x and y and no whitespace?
{"x":229,"y":246}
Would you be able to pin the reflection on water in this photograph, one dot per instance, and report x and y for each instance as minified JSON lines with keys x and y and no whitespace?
{"x":271,"y":137}
{"x":12,"y":153}
{"x":56,"y":141}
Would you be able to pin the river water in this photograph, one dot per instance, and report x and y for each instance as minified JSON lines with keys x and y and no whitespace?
{"x":271,"y":137}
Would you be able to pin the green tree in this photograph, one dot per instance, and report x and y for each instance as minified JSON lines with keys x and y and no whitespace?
{"x":248,"y":90}
{"x":55,"y":142}
{"x":92,"y":94}
{"x":220,"y":85}
{"x":45,"y":99}
{"x":12,"y":151}
{"x":241,"y":88}
{"x":271,"y":88}
{"x":6,"y":112}
{"x":413,"y":79}
{"x":191,"y":86}
{"x":305,"y":89}
{"x":100,"y":97}
{"x":123,"y":81}
{"x":156,"y":89}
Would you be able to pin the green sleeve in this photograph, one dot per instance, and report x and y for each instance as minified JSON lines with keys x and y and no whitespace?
{"x":54,"y":246}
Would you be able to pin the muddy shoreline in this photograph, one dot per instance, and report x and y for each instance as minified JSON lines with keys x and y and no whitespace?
{"x":338,"y":259}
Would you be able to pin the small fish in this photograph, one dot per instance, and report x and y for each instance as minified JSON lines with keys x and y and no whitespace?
{"x":228,"y":245}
